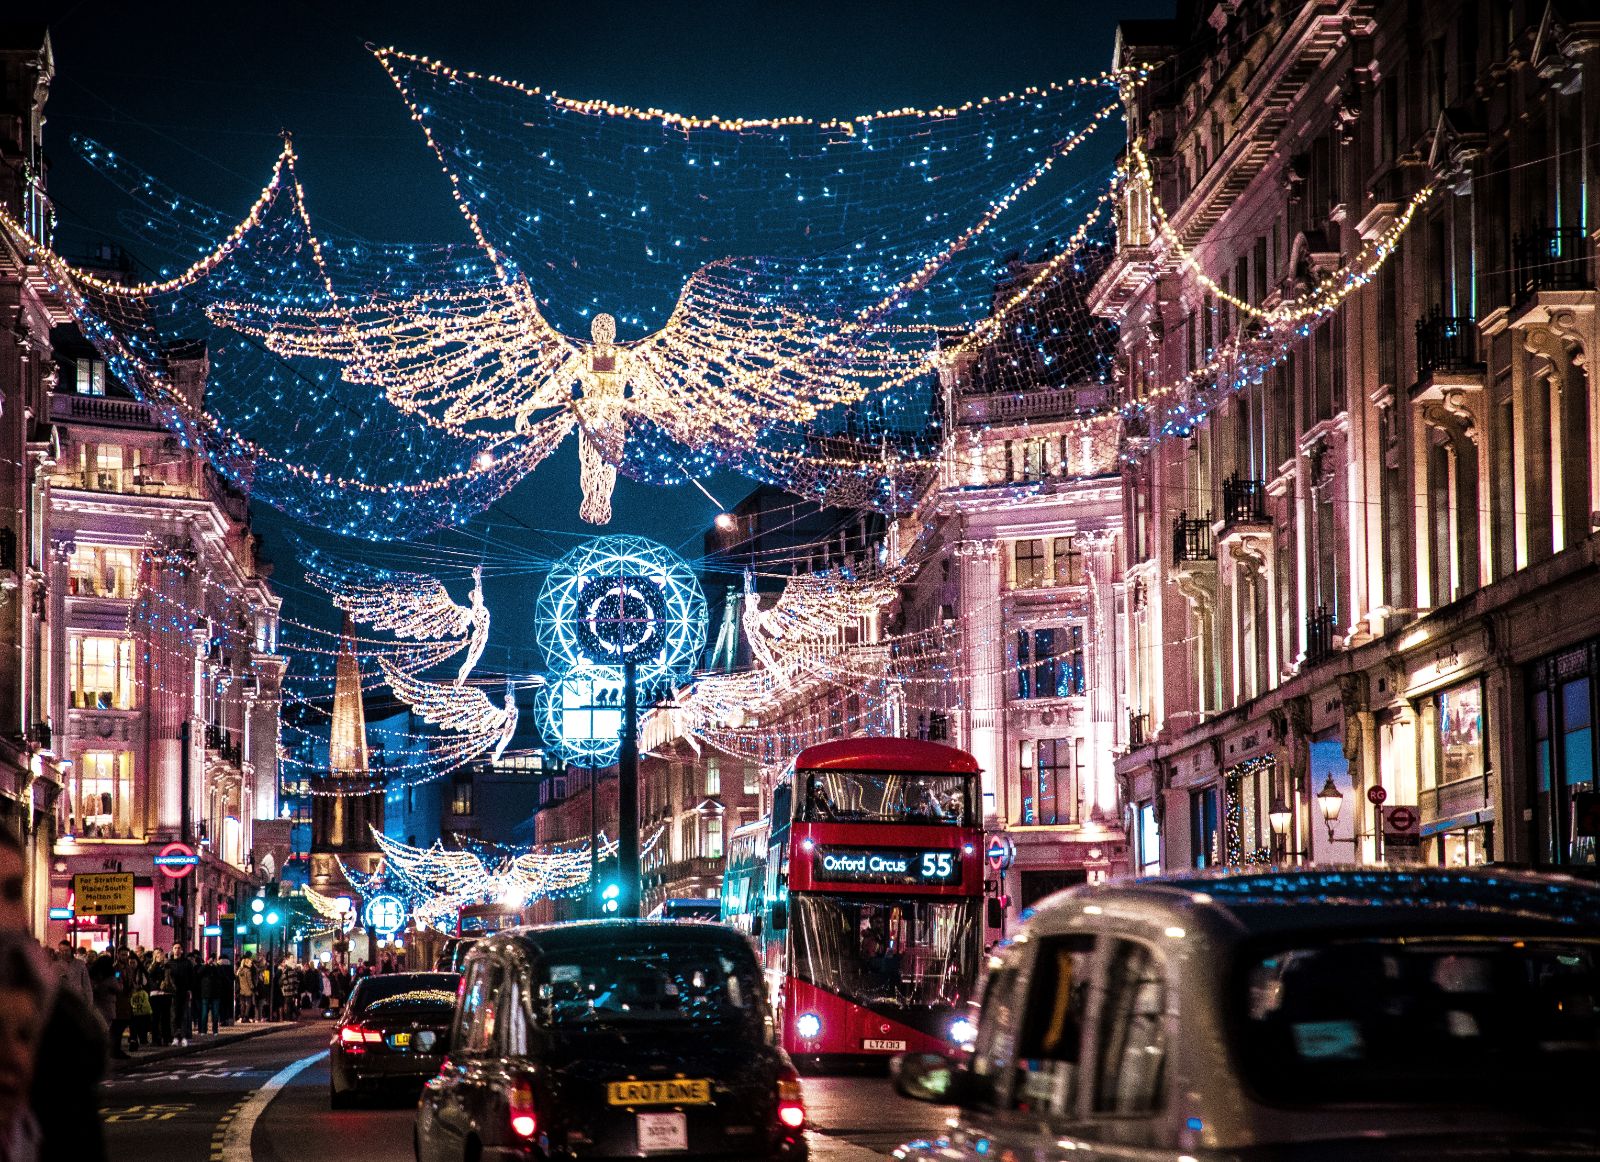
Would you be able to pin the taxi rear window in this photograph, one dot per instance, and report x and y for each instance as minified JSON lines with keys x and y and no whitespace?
{"x":648,"y":983}
{"x":1421,"y":1021}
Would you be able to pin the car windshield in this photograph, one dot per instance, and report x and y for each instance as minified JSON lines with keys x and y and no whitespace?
{"x":895,"y":953}
{"x":1421,"y":1021}
{"x":649,"y":982}
{"x":376,"y":988}
{"x":887,"y":797}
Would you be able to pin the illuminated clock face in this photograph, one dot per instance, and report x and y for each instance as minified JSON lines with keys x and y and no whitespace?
{"x":621,"y":619}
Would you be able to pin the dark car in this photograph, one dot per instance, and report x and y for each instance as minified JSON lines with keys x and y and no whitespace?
{"x":391,"y":1034}
{"x":612,"y":1039}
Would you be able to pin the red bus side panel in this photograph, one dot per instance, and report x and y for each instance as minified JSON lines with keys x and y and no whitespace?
{"x":847,"y":1028}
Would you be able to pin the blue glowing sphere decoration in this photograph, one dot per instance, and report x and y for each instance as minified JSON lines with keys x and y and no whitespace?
{"x":580,"y":715}
{"x":385,"y":913}
{"x":619,"y":599}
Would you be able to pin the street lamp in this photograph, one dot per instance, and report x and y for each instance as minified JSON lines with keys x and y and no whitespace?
{"x":1329,"y":801}
{"x":1280,"y":817}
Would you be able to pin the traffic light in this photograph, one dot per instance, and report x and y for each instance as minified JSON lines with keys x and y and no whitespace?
{"x":172,"y":908}
{"x":610,"y":898}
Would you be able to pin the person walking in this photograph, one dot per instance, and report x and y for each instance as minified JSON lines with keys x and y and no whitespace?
{"x":211,"y":987}
{"x":246,"y":975}
{"x":289,"y":988}
{"x":181,"y":983}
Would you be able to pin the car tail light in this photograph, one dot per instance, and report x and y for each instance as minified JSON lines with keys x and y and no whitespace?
{"x":523,"y":1122}
{"x":353,"y":1034}
{"x":791,"y":1106}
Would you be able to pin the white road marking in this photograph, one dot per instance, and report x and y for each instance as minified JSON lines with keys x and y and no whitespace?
{"x":236,"y":1145}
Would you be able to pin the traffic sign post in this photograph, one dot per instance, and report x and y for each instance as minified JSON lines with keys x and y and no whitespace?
{"x":103,"y":893}
{"x":1376,"y":796}
{"x":1402,"y":834}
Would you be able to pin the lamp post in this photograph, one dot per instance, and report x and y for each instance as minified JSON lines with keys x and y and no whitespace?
{"x":1329,"y":801}
{"x":1280,"y":818}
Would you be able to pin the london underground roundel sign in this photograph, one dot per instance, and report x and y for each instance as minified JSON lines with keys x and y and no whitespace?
{"x":176,"y":860}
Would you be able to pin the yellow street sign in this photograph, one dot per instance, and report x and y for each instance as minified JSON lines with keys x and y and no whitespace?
{"x":103,"y":893}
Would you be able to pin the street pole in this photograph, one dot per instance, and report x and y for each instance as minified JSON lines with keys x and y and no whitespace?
{"x":185,"y":825}
{"x":628,"y":795}
{"x":594,"y":850}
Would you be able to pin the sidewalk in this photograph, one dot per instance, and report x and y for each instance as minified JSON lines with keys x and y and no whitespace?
{"x":231,"y":1034}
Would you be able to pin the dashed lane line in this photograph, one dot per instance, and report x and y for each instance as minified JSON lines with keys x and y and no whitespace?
{"x":231,"y":1142}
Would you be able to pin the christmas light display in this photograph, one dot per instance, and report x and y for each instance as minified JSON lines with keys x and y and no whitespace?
{"x":580,"y":715}
{"x":411,"y":605}
{"x":438,"y":881}
{"x":463,"y":709}
{"x":617,"y":599}
{"x":811,"y":365}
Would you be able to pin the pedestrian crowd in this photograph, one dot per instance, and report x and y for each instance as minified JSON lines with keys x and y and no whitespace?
{"x":64,"y":1011}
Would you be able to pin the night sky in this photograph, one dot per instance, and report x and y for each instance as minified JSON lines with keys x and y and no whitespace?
{"x":197,"y":94}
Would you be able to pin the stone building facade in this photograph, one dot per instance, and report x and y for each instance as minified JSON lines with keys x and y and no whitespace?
{"x":1373,"y":565}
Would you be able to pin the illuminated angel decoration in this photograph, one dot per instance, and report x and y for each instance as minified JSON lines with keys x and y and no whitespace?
{"x":464,"y":709}
{"x":415,"y":606}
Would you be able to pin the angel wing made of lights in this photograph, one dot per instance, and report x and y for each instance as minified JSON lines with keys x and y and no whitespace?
{"x":464,"y":709}
{"x":729,"y":364}
{"x":414,"y":606}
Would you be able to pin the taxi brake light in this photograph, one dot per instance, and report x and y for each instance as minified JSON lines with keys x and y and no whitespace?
{"x":791,"y":1105}
{"x":523,"y":1122}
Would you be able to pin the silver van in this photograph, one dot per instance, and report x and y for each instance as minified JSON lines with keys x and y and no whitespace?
{"x":1285,"y":1013}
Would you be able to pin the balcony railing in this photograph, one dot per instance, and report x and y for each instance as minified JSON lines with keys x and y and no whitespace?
{"x":98,"y":409}
{"x":1549,"y":258}
{"x":1138,"y":729}
{"x":1320,"y":634}
{"x":1043,"y":404}
{"x":1191,"y":538}
{"x":1244,"y":502}
{"x":1446,"y":343}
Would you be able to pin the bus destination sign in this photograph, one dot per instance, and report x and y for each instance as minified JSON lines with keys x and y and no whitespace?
{"x":866,"y":865}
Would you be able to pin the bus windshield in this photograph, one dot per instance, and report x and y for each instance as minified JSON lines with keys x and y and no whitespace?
{"x":886,"y":953}
{"x":887,"y":797}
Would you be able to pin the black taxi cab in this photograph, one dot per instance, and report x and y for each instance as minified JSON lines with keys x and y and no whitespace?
{"x":612,"y":1039}
{"x":1370,"y":1013}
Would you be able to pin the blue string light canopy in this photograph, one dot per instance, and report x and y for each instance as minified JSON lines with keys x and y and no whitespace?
{"x":684,"y":294}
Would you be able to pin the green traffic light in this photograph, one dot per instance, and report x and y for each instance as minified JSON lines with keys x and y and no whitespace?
{"x":256,"y":919}
{"x":272,"y":917}
{"x":257,"y":904}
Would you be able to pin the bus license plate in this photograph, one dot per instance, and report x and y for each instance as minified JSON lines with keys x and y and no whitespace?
{"x":668,"y":1092}
{"x":663,"y":1133}
{"x":886,"y":1046}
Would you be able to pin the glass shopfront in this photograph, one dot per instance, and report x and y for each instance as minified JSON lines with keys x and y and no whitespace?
{"x":1562,"y":710}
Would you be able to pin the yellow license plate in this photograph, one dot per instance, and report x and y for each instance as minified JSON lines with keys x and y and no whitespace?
{"x":675,"y":1092}
{"x":401,"y":1040}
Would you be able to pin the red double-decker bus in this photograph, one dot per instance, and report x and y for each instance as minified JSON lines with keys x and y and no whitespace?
{"x":863,"y":891}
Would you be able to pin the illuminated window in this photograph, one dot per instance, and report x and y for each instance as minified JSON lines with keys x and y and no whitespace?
{"x":713,"y":848}
{"x":1050,"y":662}
{"x":108,"y":467}
{"x":1028,"y":564}
{"x":461,"y":797}
{"x":101,"y":669}
{"x":99,"y":571}
{"x":1068,"y":562}
{"x":91,"y":377}
{"x":752,"y":779}
{"x":713,"y":776}
{"x":103,"y":805}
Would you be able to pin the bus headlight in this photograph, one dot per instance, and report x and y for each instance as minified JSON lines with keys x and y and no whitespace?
{"x":963,"y":1032}
{"x":808,"y":1025}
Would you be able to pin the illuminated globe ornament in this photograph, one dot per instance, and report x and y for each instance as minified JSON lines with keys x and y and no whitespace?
{"x":580,"y":715}
{"x":386,"y":914}
{"x":622,"y":599}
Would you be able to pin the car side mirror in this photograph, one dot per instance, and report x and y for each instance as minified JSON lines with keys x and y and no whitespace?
{"x":780,"y":917}
{"x":930,"y":1077}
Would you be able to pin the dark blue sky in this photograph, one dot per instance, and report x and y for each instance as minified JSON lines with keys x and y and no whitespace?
{"x":196,"y":92}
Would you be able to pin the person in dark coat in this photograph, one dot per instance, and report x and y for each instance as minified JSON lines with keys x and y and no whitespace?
{"x":181,"y":983}
{"x":70,"y":1061}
